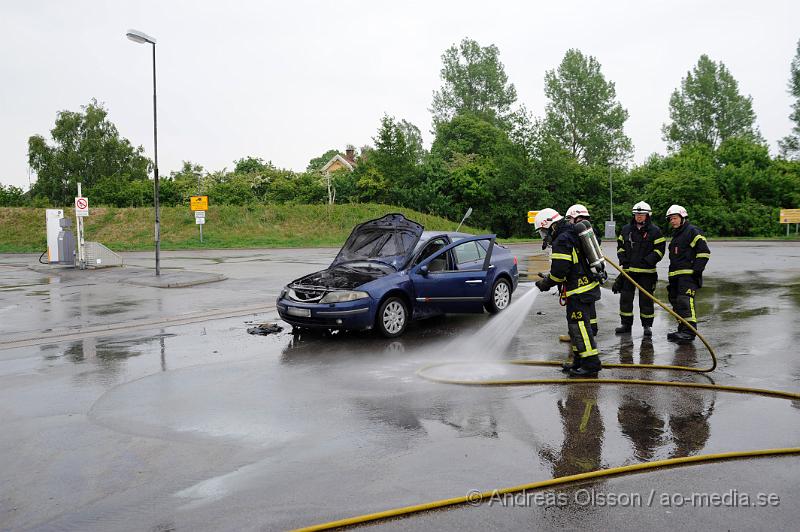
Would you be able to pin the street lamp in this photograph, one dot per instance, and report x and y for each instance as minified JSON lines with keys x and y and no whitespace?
{"x":142,"y":38}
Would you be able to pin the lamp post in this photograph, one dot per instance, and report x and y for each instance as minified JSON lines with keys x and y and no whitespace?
{"x":611,"y":226}
{"x":142,"y":38}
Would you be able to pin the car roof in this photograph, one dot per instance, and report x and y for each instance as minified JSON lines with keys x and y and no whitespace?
{"x":427,"y":235}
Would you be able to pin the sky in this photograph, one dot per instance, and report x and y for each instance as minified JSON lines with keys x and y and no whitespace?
{"x":287,"y":80}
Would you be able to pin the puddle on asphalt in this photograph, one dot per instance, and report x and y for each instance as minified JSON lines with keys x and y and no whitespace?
{"x":38,"y":293}
{"x":113,"y":308}
{"x":106,"y":359}
{"x":794,"y":292}
{"x":737,"y":315}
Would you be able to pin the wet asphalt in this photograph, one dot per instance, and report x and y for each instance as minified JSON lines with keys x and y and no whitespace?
{"x":177,"y":419}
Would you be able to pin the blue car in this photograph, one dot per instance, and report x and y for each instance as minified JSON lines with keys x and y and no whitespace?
{"x":390,"y":271}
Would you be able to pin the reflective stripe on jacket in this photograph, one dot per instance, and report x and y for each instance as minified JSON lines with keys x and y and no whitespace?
{"x":688,"y":251}
{"x":640,"y":249}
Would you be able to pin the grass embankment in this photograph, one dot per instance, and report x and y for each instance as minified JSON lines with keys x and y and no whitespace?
{"x":22,"y":230}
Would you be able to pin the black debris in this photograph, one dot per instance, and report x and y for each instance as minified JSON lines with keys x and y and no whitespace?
{"x":264,"y":329}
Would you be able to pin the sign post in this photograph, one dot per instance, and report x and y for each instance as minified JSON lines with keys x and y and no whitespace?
{"x":199,"y":205}
{"x":81,"y":211}
{"x":200,"y":219}
{"x":790,"y":216}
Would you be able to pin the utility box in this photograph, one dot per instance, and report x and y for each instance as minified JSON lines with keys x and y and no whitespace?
{"x":611,"y":230}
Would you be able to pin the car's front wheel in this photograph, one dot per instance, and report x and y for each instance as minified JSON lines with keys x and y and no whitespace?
{"x":392,"y":317}
{"x":500,"y":296}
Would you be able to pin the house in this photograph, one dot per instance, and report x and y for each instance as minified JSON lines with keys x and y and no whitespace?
{"x":339,"y":161}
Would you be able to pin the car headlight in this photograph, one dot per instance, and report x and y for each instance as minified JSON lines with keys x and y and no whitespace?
{"x":284,"y":292}
{"x":342,"y":296}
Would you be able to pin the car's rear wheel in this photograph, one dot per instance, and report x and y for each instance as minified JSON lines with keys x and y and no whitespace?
{"x":500,"y":296}
{"x":392,"y":317}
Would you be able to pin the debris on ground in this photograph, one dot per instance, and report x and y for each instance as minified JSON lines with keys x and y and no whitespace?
{"x":264,"y":329}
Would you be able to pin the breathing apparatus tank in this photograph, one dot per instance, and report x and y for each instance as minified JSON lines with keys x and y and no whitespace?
{"x":591,"y":249}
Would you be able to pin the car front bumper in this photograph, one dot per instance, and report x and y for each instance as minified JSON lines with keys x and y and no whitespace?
{"x":358,"y":314}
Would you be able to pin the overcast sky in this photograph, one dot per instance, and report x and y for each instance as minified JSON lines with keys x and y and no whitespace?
{"x":288,"y":80}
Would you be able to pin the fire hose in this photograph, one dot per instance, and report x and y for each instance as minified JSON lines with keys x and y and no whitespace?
{"x":474,"y":497}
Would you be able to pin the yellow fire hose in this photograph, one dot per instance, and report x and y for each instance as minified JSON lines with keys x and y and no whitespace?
{"x":475,"y":497}
{"x":675,"y":315}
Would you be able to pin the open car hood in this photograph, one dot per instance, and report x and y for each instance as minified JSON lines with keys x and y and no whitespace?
{"x":390,"y":240}
{"x":346,"y":276}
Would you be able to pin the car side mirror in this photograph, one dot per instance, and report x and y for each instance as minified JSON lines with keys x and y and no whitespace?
{"x":423,"y":270}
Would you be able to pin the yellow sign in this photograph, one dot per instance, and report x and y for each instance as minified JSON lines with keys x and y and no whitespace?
{"x":532,"y":216}
{"x":790,"y":216}
{"x":199,"y":203}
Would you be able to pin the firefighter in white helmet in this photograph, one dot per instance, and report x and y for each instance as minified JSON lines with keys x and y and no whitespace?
{"x":568,"y":268}
{"x":640,"y":246}
{"x":688,"y":256}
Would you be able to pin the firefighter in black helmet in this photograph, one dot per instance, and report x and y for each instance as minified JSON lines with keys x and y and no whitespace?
{"x":640,"y":246}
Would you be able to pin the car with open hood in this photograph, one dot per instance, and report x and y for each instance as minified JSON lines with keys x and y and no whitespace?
{"x":390,"y":271}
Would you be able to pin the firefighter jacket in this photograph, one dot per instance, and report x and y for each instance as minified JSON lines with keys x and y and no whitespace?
{"x":569,"y":266}
{"x":639,"y":250}
{"x":688,"y":252}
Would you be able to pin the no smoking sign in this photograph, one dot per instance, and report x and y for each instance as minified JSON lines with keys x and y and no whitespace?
{"x":81,"y":206}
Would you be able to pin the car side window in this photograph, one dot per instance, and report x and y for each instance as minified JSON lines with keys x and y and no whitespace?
{"x":430,"y":248}
{"x":467,"y":252}
{"x":483,"y":245}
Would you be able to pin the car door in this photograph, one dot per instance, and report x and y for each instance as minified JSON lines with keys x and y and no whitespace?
{"x":462,"y":286}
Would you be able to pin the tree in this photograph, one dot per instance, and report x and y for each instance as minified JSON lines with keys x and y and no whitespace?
{"x":251,"y":165}
{"x":708,"y":108}
{"x":468,"y":134}
{"x":12,"y":196}
{"x":475,"y":82}
{"x":87,"y":148}
{"x":583,"y":114}
{"x":397,"y":155}
{"x":790,"y":145}
{"x":189,"y":180}
{"x":398,"y":147}
{"x":473,"y":163}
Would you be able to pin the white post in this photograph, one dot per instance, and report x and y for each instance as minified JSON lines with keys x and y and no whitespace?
{"x":79,"y":226}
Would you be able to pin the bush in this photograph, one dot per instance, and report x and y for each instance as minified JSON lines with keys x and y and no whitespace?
{"x":12,"y":196}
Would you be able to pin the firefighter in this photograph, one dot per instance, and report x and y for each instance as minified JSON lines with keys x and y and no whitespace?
{"x":640,"y":246}
{"x":688,"y":256}
{"x":576,"y":214}
{"x":570,"y":269}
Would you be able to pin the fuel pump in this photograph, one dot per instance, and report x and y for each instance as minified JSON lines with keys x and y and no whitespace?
{"x":60,"y":240}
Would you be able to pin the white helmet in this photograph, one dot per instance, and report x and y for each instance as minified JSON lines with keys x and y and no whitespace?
{"x":642,"y":208}
{"x":577,"y":210}
{"x":677,"y":209}
{"x":545,"y":218}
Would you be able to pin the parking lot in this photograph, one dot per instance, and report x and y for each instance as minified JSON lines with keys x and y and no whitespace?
{"x":128,"y":407}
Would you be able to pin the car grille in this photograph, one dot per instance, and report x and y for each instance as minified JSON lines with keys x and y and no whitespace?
{"x":306,"y":294}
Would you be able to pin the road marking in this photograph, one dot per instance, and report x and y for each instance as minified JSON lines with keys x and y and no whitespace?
{"x":65,"y":335}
